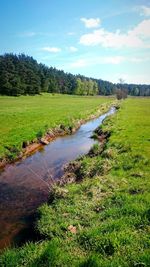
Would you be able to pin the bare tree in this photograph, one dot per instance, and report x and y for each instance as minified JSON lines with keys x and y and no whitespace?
{"x":121,"y":93}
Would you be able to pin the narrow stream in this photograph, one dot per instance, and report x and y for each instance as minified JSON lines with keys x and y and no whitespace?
{"x":23,"y":184}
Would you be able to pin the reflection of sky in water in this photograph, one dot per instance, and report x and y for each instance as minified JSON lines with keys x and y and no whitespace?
{"x":21,"y":183}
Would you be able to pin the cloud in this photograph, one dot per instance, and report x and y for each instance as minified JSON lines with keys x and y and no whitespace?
{"x":110,"y":39}
{"x":132,"y":78}
{"x":100,"y":60}
{"x":80,"y":63}
{"x":142,"y":29}
{"x":138,"y":59}
{"x":135,"y":38}
{"x":51,"y":49}
{"x":112,"y":60}
{"x":31,"y":34}
{"x":91,"y":23}
{"x":71,"y":33}
{"x":27,"y":34}
{"x":144,"y":11}
{"x":122,"y":59}
{"x":73,"y":49}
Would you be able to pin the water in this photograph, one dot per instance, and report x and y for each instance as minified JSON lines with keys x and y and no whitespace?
{"x":23,"y":185}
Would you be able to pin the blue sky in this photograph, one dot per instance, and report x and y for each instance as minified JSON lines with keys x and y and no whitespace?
{"x":101,"y":39}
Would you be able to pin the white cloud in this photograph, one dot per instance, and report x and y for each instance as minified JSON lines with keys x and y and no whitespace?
{"x":100,"y":60}
{"x":145,"y":11}
{"x":110,"y":39}
{"x":122,"y":59}
{"x":71,"y":33}
{"x":91,"y":23}
{"x":132,"y":78}
{"x":91,"y":61}
{"x":113,"y":60}
{"x":92,"y":39}
{"x":80,"y":63}
{"x":51,"y":49}
{"x":138,"y":37}
{"x":107,"y":60}
{"x":137,"y":59}
{"x":28,"y":34}
{"x":73,"y":49}
{"x":142,"y":29}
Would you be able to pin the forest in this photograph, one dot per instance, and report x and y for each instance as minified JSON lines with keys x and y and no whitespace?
{"x":23,"y":75}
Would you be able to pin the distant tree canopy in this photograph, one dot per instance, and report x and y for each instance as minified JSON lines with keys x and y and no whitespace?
{"x":22,"y":75}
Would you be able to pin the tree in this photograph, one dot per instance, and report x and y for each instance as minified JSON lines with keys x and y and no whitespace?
{"x":95,"y":88}
{"x":78,"y":90}
{"x":21,"y":74}
{"x":121,"y":92}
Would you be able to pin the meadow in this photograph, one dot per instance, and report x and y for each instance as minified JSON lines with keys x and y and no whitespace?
{"x":104,"y":218}
{"x":25,"y":118}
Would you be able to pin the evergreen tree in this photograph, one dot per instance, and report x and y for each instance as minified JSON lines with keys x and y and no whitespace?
{"x":21,"y":75}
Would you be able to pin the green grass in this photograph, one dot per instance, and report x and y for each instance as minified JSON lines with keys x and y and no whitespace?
{"x":109,"y":207}
{"x":25,"y":118}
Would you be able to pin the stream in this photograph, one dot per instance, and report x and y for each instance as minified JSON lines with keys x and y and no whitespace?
{"x":23,"y":185}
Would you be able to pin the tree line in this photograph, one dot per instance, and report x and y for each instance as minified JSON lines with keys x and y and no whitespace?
{"x":22,"y":75}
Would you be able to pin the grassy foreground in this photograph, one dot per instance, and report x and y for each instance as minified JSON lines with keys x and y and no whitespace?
{"x":103,"y":220}
{"x":27,"y":117}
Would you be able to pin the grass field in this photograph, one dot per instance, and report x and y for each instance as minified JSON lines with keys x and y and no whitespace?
{"x":103,"y":221}
{"x":24,"y":118}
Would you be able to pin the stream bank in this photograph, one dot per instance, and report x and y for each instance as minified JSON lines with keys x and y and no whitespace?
{"x":103,"y":219}
{"x":30,"y":147}
{"x":24,"y":184}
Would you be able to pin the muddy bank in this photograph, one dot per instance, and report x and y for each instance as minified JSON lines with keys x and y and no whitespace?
{"x":73,"y":169}
{"x":30,"y":147}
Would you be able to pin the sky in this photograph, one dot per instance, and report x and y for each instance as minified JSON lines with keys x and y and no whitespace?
{"x":108,"y":40}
